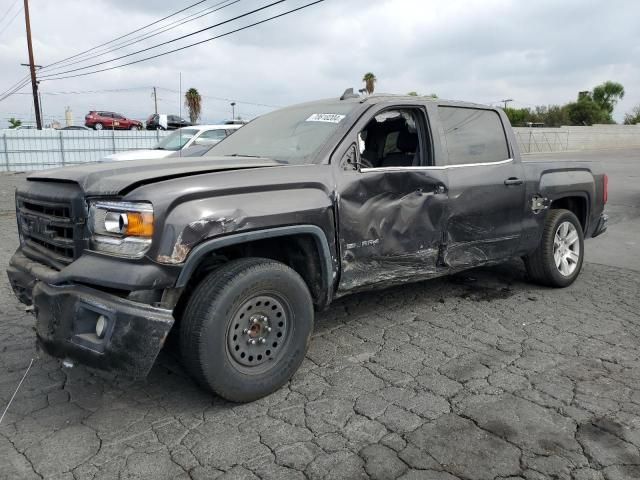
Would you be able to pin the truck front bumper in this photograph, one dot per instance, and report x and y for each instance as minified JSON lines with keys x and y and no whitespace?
{"x":87,"y":325}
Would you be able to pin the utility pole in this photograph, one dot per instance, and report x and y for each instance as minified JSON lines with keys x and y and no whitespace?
{"x":233,"y":110}
{"x":155,"y":100}
{"x":506,"y":102}
{"x":32,"y":67}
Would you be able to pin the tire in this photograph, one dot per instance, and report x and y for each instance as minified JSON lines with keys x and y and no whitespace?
{"x":98,"y":126}
{"x":246,"y":300}
{"x":542,"y":266}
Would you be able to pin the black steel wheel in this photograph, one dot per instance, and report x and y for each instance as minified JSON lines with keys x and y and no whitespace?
{"x":246,"y":328}
{"x":258,"y":333}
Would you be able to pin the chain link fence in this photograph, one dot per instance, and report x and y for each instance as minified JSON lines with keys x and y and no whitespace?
{"x":534,"y":141}
{"x":26,"y":150}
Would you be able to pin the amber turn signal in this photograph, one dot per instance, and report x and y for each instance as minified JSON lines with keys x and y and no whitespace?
{"x":139,"y":224}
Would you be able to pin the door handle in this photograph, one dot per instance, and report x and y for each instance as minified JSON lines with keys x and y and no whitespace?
{"x":512,"y":181}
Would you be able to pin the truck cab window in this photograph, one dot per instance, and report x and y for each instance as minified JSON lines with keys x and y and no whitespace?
{"x":392,"y":139}
{"x":473,"y":135}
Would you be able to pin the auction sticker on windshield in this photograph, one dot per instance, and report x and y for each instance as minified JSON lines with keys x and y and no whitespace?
{"x":325,"y":117}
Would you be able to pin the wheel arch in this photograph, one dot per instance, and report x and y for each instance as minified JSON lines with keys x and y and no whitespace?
{"x":304,"y":248}
{"x":577,"y":203}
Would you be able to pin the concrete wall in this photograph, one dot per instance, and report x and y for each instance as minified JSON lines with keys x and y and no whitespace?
{"x":596,"y":137}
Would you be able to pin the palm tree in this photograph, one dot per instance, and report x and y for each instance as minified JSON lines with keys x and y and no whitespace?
{"x":369,"y":80}
{"x":14,"y":123}
{"x":193,"y":102}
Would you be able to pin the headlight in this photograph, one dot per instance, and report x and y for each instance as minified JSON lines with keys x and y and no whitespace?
{"x":121,"y":228}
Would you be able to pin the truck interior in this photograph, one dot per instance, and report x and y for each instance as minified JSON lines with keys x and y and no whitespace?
{"x":392,"y":139}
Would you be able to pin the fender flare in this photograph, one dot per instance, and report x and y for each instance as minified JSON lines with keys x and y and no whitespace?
{"x":208,"y":246}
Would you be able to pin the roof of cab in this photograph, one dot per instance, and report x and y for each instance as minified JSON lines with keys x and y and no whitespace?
{"x":389,"y":98}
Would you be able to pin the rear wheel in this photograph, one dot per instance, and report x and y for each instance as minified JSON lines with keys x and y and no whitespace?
{"x":558,"y":259}
{"x":246,"y":328}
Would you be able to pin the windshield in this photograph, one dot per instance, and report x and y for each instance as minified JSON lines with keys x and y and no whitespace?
{"x":291,"y":135}
{"x":176,"y":140}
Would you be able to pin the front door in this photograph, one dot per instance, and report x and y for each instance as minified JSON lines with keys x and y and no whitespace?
{"x":486,"y":188}
{"x":391,"y":206}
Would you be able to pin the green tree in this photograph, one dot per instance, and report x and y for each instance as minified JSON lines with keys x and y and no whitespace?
{"x":14,"y":122}
{"x":553,"y":115}
{"x":607,"y":95}
{"x":518,"y":116}
{"x":369,"y":80}
{"x":193,"y":102}
{"x":633,"y":117}
{"x":586,"y":111}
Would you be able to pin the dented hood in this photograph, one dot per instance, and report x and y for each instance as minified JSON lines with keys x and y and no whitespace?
{"x":109,"y":178}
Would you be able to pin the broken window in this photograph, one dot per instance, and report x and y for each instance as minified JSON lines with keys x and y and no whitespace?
{"x":392,"y":139}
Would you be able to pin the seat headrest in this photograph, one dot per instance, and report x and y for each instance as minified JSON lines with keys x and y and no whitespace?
{"x":407,"y":141}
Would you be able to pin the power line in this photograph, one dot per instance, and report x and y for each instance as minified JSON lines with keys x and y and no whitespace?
{"x":228,"y":99}
{"x":192,"y":44}
{"x":10,"y":21}
{"x":182,"y":37}
{"x":120,"y":37}
{"x":19,"y":86}
{"x":135,"y":89}
{"x":14,"y":85}
{"x":8,"y":10}
{"x":118,"y":46}
{"x":14,"y":88}
{"x":80,"y":92}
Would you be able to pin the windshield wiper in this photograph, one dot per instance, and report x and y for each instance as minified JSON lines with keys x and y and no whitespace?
{"x":242,"y":155}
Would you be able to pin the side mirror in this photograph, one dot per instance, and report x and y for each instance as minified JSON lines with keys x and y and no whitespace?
{"x":350,"y":159}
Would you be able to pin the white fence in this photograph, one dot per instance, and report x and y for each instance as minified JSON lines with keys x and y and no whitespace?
{"x":597,"y":137}
{"x":24,"y":150}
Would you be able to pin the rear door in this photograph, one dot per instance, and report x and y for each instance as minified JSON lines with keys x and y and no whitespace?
{"x":486,"y":191}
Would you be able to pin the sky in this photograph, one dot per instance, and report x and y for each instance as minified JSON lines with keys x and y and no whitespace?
{"x":534,"y":52}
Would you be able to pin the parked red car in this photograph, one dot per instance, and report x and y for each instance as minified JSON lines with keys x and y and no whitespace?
{"x":100,"y":119}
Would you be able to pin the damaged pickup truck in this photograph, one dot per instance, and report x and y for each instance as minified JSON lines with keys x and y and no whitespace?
{"x":235,"y":250}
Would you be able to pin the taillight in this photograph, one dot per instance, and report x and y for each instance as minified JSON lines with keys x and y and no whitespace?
{"x":605,"y":193}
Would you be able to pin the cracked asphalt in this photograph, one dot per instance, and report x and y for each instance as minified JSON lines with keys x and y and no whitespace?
{"x":477,"y":376}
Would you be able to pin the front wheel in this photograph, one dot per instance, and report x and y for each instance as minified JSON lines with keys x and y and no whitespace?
{"x":246,"y":328}
{"x":558,"y":259}
{"x":98,"y":126}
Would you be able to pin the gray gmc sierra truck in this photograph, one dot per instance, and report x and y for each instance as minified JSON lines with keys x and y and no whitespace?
{"x":235,"y":250}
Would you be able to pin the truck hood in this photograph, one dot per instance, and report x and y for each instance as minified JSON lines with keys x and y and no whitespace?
{"x":114,"y":178}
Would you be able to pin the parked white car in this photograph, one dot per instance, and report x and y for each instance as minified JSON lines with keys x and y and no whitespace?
{"x":178,"y":140}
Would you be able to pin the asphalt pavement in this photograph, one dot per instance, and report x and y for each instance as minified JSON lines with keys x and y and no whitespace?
{"x":477,"y":376}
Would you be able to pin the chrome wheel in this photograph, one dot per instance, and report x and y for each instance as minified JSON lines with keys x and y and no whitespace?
{"x":258,"y":331}
{"x":566,"y":248}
